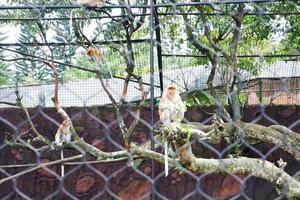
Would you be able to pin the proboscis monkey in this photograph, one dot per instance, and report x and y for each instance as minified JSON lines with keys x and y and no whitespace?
{"x":171,"y":109}
{"x":96,"y":55}
{"x":87,"y":3}
{"x":63,"y":135}
{"x":98,"y":58}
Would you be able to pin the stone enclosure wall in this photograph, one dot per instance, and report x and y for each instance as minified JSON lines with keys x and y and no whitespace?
{"x":119,"y":180}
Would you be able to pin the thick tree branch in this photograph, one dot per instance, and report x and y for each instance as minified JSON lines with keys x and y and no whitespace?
{"x":266,"y":170}
{"x":187,"y":162}
{"x":141,"y":20}
{"x":97,"y":153}
{"x":233,"y":71}
{"x":212,"y":89}
{"x":117,"y":110}
{"x":280,"y":136}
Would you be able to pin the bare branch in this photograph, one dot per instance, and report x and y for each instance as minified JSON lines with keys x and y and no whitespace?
{"x":8,"y":103}
{"x":25,"y":111}
{"x":55,"y":100}
{"x":40,"y":166}
{"x":141,"y":20}
{"x":39,"y":24}
{"x":207,"y":33}
{"x":193,"y":39}
{"x":137,"y":115}
{"x":117,"y":110}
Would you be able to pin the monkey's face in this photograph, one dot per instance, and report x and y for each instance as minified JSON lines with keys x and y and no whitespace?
{"x":66,"y":123}
{"x":171,"y":92}
{"x":90,"y":52}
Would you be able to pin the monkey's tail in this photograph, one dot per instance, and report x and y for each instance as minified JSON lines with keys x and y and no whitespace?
{"x":166,"y":160}
{"x":62,"y":169}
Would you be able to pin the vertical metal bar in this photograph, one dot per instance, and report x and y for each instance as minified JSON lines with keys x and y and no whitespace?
{"x":152,"y":90}
{"x":158,"y":48}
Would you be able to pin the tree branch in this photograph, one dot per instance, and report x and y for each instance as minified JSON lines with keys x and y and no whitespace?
{"x":25,"y":111}
{"x":276,"y":135}
{"x":192,"y":38}
{"x":55,"y":100}
{"x":187,"y":162}
{"x":266,"y":170}
{"x":40,"y":166}
{"x":207,"y":33}
{"x":136,"y":116}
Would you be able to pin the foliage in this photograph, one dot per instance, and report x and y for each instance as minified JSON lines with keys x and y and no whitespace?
{"x":63,"y":35}
{"x":3,"y":66}
{"x":3,"y":75}
{"x":218,"y":40}
{"x":258,"y":37}
{"x":26,"y":70}
{"x":198,"y":99}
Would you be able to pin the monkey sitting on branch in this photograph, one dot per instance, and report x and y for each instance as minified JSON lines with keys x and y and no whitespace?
{"x":98,"y":58}
{"x":63,"y":135}
{"x":96,"y":55}
{"x":171,"y":106}
{"x":171,"y":109}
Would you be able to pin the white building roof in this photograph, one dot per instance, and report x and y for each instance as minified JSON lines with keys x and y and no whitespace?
{"x":89,"y":92}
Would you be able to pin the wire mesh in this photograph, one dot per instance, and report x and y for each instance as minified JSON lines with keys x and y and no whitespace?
{"x":104,"y":68}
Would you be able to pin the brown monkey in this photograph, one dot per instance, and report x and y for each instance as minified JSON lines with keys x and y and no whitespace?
{"x":98,"y":58}
{"x":171,"y":109}
{"x":63,"y":135}
{"x":96,"y":55}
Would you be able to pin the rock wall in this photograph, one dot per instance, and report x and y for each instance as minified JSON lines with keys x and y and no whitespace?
{"x":118,"y":180}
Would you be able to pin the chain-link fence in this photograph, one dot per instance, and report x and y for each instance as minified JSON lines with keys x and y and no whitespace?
{"x":99,"y":72}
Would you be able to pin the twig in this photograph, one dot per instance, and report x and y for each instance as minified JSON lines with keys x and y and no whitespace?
{"x":69,"y":163}
{"x":39,"y":24}
{"x":137,"y":115}
{"x":17,"y":166}
{"x":8,"y":103}
{"x":116,"y":108}
{"x":97,"y":161}
{"x":208,"y":35}
{"x":38,"y":167}
{"x":27,"y":115}
{"x":112,"y":99}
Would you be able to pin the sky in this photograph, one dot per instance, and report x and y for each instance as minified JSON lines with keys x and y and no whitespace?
{"x":13,"y":31}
